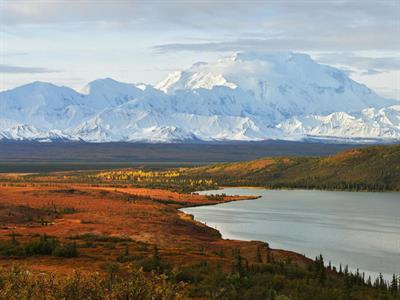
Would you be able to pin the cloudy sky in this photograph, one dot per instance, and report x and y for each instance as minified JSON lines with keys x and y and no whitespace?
{"x":73,"y":42}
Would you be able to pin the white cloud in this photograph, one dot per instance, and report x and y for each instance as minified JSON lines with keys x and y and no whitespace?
{"x":369,"y":65}
{"x":23,"y":70}
{"x":88,"y":38}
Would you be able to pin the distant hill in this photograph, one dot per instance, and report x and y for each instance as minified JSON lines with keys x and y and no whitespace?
{"x":373,"y":168}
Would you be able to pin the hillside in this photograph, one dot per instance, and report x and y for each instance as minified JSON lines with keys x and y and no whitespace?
{"x":373,"y":168}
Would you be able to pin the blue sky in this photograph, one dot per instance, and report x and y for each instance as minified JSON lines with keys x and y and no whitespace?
{"x":76,"y":41}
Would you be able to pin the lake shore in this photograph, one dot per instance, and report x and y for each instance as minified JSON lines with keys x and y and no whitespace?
{"x":353,"y":221}
{"x":147,"y":216}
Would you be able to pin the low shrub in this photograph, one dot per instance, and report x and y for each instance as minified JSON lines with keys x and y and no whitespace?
{"x":66,"y":250}
{"x":17,"y":283}
{"x":43,"y":245}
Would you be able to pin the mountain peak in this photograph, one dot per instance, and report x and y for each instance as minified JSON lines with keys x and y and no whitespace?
{"x":106,"y":80}
{"x":291,"y":82}
{"x":38,"y":85}
{"x":108,"y":87}
{"x":247,"y":96}
{"x":101,"y":84}
{"x":248,"y":71}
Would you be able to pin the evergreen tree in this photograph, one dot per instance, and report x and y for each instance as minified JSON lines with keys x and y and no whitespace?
{"x":394,"y":285}
{"x":156,"y":255}
{"x":238,"y":263}
{"x":259,"y":259}
{"x":14,"y":239}
{"x":381,"y":280}
{"x":270,"y":257}
{"x":320,"y":270}
{"x":369,"y":282}
{"x":347,"y":283}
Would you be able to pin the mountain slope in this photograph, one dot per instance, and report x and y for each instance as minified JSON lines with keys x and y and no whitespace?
{"x":372,"y":168}
{"x":288,"y":83}
{"x":43,"y":105}
{"x":31,"y":133}
{"x":370,"y":123}
{"x":249,"y":96}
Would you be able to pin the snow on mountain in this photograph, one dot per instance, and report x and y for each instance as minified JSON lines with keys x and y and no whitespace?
{"x":6,"y":124}
{"x":43,"y":105}
{"x":27,"y":132}
{"x":47,"y":106}
{"x":370,"y":123}
{"x":130,"y":122}
{"x":105,"y":93}
{"x":288,"y":83}
{"x":248,"y":96}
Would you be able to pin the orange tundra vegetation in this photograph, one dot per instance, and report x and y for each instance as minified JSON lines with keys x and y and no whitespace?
{"x":115,"y":219}
{"x":120,"y":235}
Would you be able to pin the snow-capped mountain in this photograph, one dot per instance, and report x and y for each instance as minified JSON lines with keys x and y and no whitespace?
{"x":248,"y":96}
{"x":43,"y":105}
{"x":370,"y":123}
{"x":286,"y":83}
{"x":31,"y":133}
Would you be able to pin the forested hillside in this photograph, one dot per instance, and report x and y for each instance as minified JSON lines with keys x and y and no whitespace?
{"x":373,"y":168}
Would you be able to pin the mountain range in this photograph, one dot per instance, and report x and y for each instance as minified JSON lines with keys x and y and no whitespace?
{"x":246,"y":97}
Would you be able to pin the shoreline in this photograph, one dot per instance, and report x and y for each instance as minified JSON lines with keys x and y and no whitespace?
{"x":167,"y":207}
{"x":155,"y":218}
{"x":303,"y":189}
{"x":373,"y":274}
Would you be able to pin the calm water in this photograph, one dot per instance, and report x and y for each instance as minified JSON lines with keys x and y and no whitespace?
{"x":358,"y":229}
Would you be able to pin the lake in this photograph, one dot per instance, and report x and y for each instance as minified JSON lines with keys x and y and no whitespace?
{"x":360,"y":229}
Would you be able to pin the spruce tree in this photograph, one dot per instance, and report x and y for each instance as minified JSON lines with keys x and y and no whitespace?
{"x":369,"y":282}
{"x":394,"y":285}
{"x":259,"y":259}
{"x":14,"y":239}
{"x":269,"y":256}
{"x":156,"y":256}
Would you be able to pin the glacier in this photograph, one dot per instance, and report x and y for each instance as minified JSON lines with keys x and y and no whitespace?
{"x":244,"y":97}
